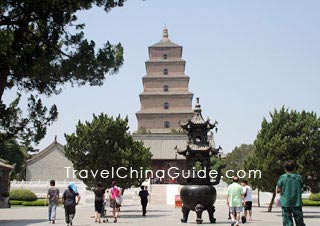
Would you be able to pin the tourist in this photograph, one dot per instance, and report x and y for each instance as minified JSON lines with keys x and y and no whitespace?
{"x":53,"y":197}
{"x":234,"y":200}
{"x":144,"y":199}
{"x":99,"y":192}
{"x":115,"y":195}
{"x":247,"y":190}
{"x":289,"y":186}
{"x":70,"y":199}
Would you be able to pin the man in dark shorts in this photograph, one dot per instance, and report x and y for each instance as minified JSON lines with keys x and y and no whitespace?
{"x":247,"y":190}
{"x":69,"y":200}
{"x":144,"y":199}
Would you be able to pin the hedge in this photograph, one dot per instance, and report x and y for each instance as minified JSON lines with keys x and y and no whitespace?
{"x":22,"y":195}
{"x":315,"y":197}
{"x":39,"y":202}
{"x":307,"y":202}
{"x":15,"y":202}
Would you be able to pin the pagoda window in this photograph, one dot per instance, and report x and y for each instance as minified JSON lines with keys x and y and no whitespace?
{"x":166,"y":124}
{"x":165,"y":56}
{"x":165,"y":71}
{"x":166,"y":88}
{"x":166,"y":105}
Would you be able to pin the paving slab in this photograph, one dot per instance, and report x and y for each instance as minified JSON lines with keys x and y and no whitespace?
{"x":157,"y":215}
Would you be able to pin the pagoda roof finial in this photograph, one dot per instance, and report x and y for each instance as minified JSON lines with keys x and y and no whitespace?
{"x":165,"y":34}
{"x":197,"y":106}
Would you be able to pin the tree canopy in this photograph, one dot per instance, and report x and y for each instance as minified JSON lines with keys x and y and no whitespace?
{"x":12,"y":152}
{"x":289,"y":135}
{"x":235,"y":160}
{"x":104,"y":144}
{"x":41,"y":49}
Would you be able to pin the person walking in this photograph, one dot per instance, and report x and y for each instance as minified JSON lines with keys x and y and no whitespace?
{"x":289,"y":186}
{"x":247,"y":190}
{"x":70,"y":199}
{"x":144,"y":199}
{"x":52,"y":200}
{"x":114,"y":195}
{"x":234,"y":200}
{"x":99,"y":192}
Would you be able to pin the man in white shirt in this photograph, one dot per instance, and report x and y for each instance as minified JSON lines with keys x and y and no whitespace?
{"x":247,"y":190}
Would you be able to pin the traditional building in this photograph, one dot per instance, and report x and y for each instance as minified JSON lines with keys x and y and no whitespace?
{"x":166,"y":102}
{"x":49,"y":164}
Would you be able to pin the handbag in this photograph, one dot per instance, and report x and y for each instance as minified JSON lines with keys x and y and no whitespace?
{"x":277,"y":200}
{"x":119,"y":200}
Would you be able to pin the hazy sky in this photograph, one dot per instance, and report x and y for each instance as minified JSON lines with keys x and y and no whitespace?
{"x":244,"y":59}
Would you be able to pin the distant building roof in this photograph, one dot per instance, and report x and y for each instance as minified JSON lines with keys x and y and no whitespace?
{"x":165,"y":41}
{"x":53,"y":146}
{"x":4,"y":164}
{"x":162,"y":146}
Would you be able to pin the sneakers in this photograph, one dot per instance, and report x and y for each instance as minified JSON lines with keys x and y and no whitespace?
{"x":70,"y":221}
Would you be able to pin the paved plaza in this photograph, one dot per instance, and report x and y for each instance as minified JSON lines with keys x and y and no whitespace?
{"x":157,"y":215}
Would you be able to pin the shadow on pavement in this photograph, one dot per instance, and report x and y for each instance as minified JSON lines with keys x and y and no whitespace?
{"x":139,"y":216}
{"x":21,"y":222}
{"x":139,"y":211}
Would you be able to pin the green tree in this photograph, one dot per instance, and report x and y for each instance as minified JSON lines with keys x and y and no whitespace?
{"x":12,"y":152}
{"x":41,"y":49}
{"x":235,"y":160}
{"x":289,"y":135}
{"x":104,"y":144}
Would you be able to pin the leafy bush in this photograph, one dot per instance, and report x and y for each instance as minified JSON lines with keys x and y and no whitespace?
{"x":22,"y":195}
{"x":315,"y":197}
{"x":39,"y":202}
{"x":15,"y":202}
{"x":307,"y":202}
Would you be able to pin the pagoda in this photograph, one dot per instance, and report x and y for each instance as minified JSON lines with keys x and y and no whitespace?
{"x":165,"y":100}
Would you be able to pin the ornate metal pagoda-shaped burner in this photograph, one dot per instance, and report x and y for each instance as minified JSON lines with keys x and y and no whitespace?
{"x":199,"y":194}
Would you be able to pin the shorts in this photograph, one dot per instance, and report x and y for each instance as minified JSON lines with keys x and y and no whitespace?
{"x":236,"y":209}
{"x":248,"y":205}
{"x":114,"y":204}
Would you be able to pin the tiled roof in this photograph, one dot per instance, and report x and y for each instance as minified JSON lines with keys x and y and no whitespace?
{"x":166,"y":111}
{"x":197,"y":119}
{"x":46,"y":151}
{"x":165,"y":43}
{"x":162,"y":146}
{"x":5,"y":165}
{"x":171,"y":93}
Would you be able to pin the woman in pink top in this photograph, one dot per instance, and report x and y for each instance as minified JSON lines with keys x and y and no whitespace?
{"x":114,"y":193}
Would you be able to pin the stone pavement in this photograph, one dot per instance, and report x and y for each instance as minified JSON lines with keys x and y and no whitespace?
{"x":157,"y":215}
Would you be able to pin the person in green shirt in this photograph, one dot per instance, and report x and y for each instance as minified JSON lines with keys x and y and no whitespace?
{"x":235,"y":197}
{"x":289,"y":186}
